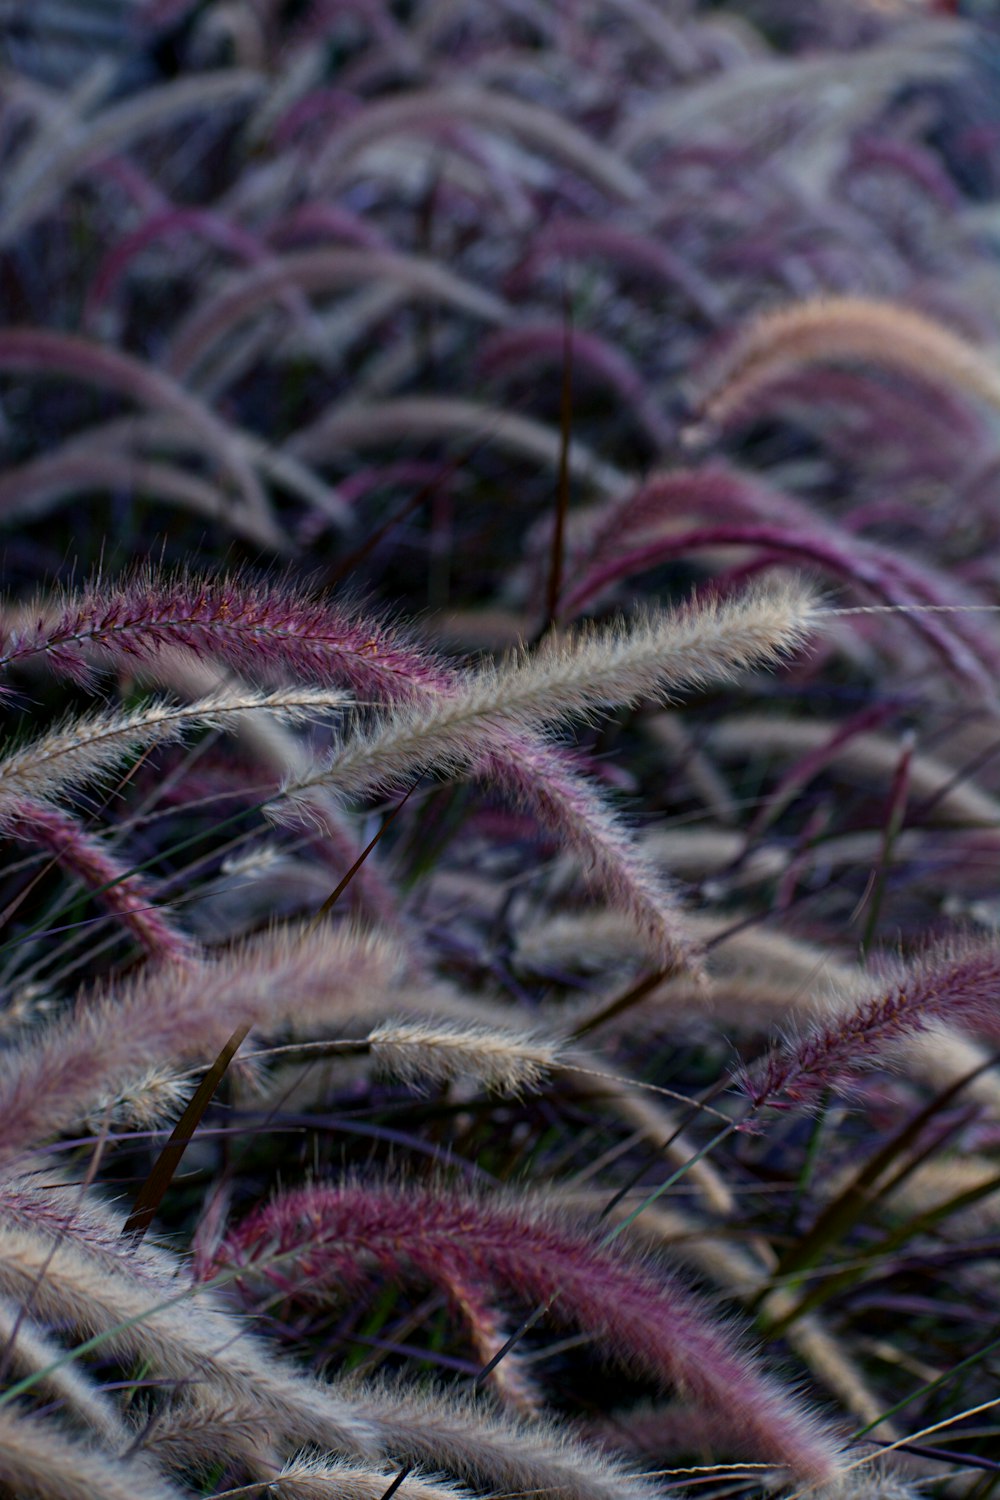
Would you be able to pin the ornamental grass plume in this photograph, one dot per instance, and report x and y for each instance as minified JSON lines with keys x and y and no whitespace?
{"x":321,"y":270}
{"x":532,"y":347}
{"x":354,"y":424}
{"x":40,"y":1461}
{"x":628,"y":250}
{"x":316,"y":1479}
{"x":537,"y":126}
{"x":601,"y":669}
{"x":258,"y":629}
{"x":326,"y":1238}
{"x":416,"y":1052}
{"x":47,"y":165}
{"x":30,"y":1351}
{"x":86,"y":856}
{"x":273,"y":745}
{"x":38,"y":351}
{"x":878,"y":70}
{"x":955,"y":982}
{"x":757,"y":979}
{"x":930,"y":605}
{"x":536,"y":776}
{"x":92,"y":748}
{"x":726,"y":1263}
{"x":883,"y":334}
{"x":484,"y":721}
{"x":35,"y":488}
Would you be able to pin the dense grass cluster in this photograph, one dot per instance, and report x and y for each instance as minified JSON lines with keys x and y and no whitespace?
{"x":500,"y":802}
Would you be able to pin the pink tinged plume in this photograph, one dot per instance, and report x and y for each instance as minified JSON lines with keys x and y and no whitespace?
{"x":648,"y":1321}
{"x":488,"y":722}
{"x":141,"y":191}
{"x":869,"y":331}
{"x":955,"y":984}
{"x":260,"y":629}
{"x":324,"y":106}
{"x":34,"y":488}
{"x":539,"y":129}
{"x":326,"y":221}
{"x":255,"y":628}
{"x":904,"y":158}
{"x":510,"y":1377}
{"x":86,"y":856}
{"x":326,"y":269}
{"x":917,"y":431}
{"x":33,"y":188}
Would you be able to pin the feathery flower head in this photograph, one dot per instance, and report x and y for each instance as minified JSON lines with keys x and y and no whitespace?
{"x":651,"y":1323}
{"x":263,"y":630}
{"x":956,"y":982}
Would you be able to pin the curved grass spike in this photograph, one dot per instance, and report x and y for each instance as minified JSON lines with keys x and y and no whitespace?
{"x":43,"y":1462}
{"x":660,"y":654}
{"x":172,"y":222}
{"x":730,"y":1265}
{"x":85,"y":855}
{"x":26,"y":1349}
{"x":540,"y":128}
{"x":185,"y":1013}
{"x":886,"y":335}
{"x":91,"y":748}
{"x":35,"y":488}
{"x":129,"y":446}
{"x":715,"y":490}
{"x":276,"y":747}
{"x":767,"y":83}
{"x":486,"y":723}
{"x":307,"y":982}
{"x":255,"y":627}
{"x":323,"y":270}
{"x":51,"y":165}
{"x":904,"y":585}
{"x":645,"y":1320}
{"x":541,"y":346}
{"x":404,"y":182}
{"x":349,"y":425}
{"x":954,"y":982}
{"x":625,"y":250}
